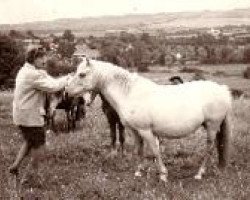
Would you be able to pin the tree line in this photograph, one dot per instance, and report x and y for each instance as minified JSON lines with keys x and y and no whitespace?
{"x":142,"y":50}
{"x":127,"y":50}
{"x":12,"y":53}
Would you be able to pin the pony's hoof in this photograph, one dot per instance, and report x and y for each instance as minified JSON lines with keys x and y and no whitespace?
{"x":163,"y":177}
{"x":138,"y":174}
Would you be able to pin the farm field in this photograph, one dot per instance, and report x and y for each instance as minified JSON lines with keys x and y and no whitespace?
{"x":76,"y":165}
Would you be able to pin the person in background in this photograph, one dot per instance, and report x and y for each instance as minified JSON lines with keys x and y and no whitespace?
{"x":176,"y":80}
{"x":32,"y":82}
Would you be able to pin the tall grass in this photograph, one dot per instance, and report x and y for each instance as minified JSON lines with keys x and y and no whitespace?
{"x":76,"y":164}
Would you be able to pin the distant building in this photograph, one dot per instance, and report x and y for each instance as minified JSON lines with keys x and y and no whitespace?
{"x":215,"y":33}
{"x":53,"y":46}
{"x":182,"y":36}
{"x":247,"y":35}
{"x":178,"y":56}
{"x":84,"y":51}
{"x":235,"y":32}
{"x":114,"y":32}
{"x":30,"y":43}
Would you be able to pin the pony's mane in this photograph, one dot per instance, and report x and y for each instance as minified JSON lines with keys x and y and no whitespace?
{"x":108,"y":72}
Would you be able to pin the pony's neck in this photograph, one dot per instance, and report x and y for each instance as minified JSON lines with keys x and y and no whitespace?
{"x":114,"y":96}
{"x":114,"y":84}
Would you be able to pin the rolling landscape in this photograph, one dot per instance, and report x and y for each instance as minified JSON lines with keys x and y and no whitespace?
{"x":137,"y":22}
{"x":77,"y":164}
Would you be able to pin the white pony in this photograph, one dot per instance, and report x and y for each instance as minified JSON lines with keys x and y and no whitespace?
{"x":171,"y":111}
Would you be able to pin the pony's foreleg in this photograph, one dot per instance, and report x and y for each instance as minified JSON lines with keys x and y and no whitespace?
{"x":138,"y":150}
{"x":153,"y":143}
{"x":139,"y":143}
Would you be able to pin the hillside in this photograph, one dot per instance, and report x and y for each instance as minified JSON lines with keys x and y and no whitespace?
{"x":97,"y":25}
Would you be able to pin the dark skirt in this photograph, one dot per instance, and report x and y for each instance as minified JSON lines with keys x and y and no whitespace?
{"x":35,"y":136}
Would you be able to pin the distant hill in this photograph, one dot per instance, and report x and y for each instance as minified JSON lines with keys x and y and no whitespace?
{"x":98,"y":25}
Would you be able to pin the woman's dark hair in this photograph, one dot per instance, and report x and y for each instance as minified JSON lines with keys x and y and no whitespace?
{"x":34,"y":53}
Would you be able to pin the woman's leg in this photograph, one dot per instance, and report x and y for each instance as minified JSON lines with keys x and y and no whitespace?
{"x":37,"y":141}
{"x":24,"y":150}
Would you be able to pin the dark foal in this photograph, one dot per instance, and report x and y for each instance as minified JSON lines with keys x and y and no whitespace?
{"x":74,"y":108}
{"x":114,"y":123}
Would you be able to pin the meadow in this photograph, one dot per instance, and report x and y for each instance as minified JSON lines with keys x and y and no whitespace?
{"x":76,"y":165}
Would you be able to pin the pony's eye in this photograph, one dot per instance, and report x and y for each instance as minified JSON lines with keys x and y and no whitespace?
{"x":82,"y":75}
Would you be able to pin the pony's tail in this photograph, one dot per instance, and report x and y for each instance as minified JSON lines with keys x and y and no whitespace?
{"x":224,"y":141}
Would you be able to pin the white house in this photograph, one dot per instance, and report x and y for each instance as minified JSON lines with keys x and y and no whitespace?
{"x":83,"y":50}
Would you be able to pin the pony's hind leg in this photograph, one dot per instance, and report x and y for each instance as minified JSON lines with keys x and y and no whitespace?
{"x":153,"y":143}
{"x":224,"y":141}
{"x":212,"y":129}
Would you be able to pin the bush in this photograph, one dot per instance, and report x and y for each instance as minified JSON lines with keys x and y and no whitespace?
{"x":11,"y":58}
{"x":57,"y":67}
{"x":198,"y":76}
{"x":66,"y":49}
{"x":219,"y":73}
{"x":237,"y":93}
{"x":246,"y":56}
{"x":225,"y":54}
{"x":191,"y":70}
{"x":143,"y":68}
{"x":246,"y":73}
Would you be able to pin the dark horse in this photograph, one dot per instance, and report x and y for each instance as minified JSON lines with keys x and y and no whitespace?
{"x":74,"y":108}
{"x":113,"y":121}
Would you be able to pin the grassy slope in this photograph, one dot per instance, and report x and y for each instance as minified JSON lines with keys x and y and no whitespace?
{"x":76,"y":166}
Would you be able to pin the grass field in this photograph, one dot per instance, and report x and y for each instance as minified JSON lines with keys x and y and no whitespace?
{"x":76,"y":164}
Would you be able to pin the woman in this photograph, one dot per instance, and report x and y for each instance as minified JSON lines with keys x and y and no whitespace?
{"x":32,"y":82}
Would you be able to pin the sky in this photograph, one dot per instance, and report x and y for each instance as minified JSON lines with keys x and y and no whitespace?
{"x":19,"y":11}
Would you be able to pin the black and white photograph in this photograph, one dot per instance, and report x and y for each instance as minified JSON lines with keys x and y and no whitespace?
{"x":124,"y":99}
